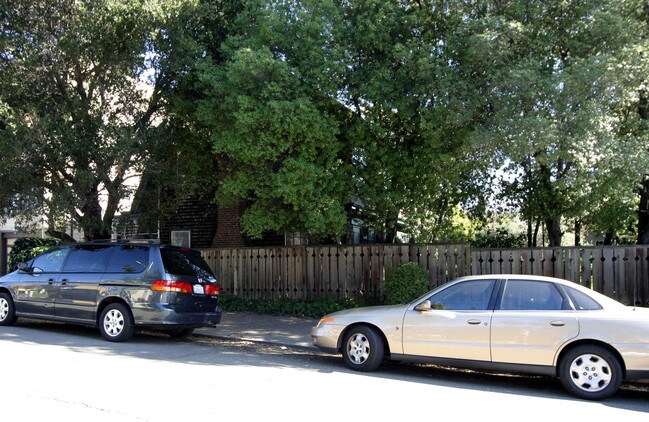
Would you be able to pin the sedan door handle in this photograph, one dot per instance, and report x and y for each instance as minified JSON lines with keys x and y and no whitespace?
{"x":474,"y":321}
{"x":557,"y":323}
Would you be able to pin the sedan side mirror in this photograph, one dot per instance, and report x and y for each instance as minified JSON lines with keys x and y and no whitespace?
{"x":424,"y":306}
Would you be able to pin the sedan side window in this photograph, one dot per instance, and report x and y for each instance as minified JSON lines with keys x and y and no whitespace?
{"x":531,"y":295}
{"x":466,"y":296}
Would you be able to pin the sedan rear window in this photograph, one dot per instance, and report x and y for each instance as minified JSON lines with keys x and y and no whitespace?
{"x":185,"y":262}
{"x":581,"y":300}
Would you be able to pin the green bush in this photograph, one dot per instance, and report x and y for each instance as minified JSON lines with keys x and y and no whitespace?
{"x":26,"y":248}
{"x":405,"y":283}
{"x":499,"y":237}
{"x":314,"y":309}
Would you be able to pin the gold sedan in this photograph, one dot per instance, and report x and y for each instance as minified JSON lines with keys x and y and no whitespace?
{"x":523,"y":324}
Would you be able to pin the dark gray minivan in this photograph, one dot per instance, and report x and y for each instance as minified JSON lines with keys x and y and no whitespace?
{"x":115,"y":286}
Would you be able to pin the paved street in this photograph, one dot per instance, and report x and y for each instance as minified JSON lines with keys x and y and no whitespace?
{"x":60,"y":371}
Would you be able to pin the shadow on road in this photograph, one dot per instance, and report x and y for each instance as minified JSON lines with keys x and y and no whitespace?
{"x":204,"y":350}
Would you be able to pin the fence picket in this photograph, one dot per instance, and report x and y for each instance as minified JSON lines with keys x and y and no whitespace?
{"x":358,"y":272}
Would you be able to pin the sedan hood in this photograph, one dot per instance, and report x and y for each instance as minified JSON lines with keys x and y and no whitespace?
{"x":369,"y":311}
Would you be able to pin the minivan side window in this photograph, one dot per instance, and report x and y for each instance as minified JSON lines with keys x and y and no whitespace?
{"x":129,"y":259}
{"x":88,"y":259}
{"x":50,"y":262}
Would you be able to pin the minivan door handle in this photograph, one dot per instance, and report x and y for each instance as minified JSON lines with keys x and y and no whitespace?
{"x":50,"y":281}
{"x":65,"y":281}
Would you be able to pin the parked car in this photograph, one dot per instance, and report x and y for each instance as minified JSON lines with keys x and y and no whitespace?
{"x":116,"y":287}
{"x":524,"y":324}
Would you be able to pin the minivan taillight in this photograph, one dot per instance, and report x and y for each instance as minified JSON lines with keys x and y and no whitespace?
{"x":212,"y":289}
{"x":171,"y":286}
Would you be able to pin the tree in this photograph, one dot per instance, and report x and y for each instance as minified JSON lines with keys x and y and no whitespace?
{"x":269,"y":104}
{"x":319,"y":103}
{"x":558,"y":74}
{"x":82,"y":89}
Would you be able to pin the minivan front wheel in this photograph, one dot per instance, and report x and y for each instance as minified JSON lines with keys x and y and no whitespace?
{"x":116,"y":323}
{"x":7,"y":311}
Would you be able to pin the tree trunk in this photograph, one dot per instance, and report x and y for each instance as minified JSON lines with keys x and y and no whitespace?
{"x":554,"y":231}
{"x":643,"y":213}
{"x":536,"y":234}
{"x":577,"y":232}
{"x":643,"y":208}
{"x":609,"y":237}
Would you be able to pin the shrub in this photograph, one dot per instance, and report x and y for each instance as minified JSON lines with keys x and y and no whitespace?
{"x":405,"y":283}
{"x":499,"y":237}
{"x":314,"y":309}
{"x":26,"y":248}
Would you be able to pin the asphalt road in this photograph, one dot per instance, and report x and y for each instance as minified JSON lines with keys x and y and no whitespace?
{"x":69,"y":373}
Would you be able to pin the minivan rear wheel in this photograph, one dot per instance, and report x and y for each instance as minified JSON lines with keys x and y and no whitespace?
{"x":7,"y":311}
{"x":116,"y":322}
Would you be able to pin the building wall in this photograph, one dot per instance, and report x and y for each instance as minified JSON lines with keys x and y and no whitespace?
{"x":199,"y":216}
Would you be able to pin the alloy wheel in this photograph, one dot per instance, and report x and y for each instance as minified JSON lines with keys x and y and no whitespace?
{"x":4,"y":309}
{"x":113,"y":323}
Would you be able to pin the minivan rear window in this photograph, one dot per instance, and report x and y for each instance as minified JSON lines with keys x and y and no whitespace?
{"x":185,"y":262}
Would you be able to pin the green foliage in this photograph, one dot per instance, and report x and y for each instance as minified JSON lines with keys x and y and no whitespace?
{"x":314,"y":309}
{"x":499,"y":237}
{"x":405,"y":283}
{"x":26,"y":248}
{"x":82,"y":95}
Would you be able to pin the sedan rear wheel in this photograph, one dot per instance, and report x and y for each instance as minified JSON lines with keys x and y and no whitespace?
{"x":363,"y":348}
{"x":590,"y":372}
{"x":116,"y":323}
{"x":7,"y":312}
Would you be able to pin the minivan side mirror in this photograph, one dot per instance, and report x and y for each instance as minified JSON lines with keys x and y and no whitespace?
{"x":23,"y":267}
{"x":424,"y":306}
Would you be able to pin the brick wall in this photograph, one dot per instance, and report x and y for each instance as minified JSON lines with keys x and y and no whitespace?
{"x":196,"y":214}
{"x":228,"y":227}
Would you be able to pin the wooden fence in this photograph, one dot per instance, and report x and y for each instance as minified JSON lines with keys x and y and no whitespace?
{"x":341,"y":272}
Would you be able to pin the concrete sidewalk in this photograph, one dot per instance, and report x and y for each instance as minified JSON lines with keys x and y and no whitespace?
{"x":281,"y":330}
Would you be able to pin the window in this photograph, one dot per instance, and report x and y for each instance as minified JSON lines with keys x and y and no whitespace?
{"x":128,"y":259}
{"x":528,"y":295}
{"x":581,"y":300}
{"x":185,"y":262}
{"x":181,"y":238}
{"x":468,"y":295}
{"x":50,"y":262}
{"x":88,"y":259}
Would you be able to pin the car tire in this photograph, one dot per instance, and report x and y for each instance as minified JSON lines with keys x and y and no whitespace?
{"x":116,"y":323}
{"x":7,"y":310}
{"x":590,"y":372}
{"x":180,"y":332}
{"x":363,"y":348}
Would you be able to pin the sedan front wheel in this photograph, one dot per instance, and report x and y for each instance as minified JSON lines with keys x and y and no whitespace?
{"x":363,"y":348}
